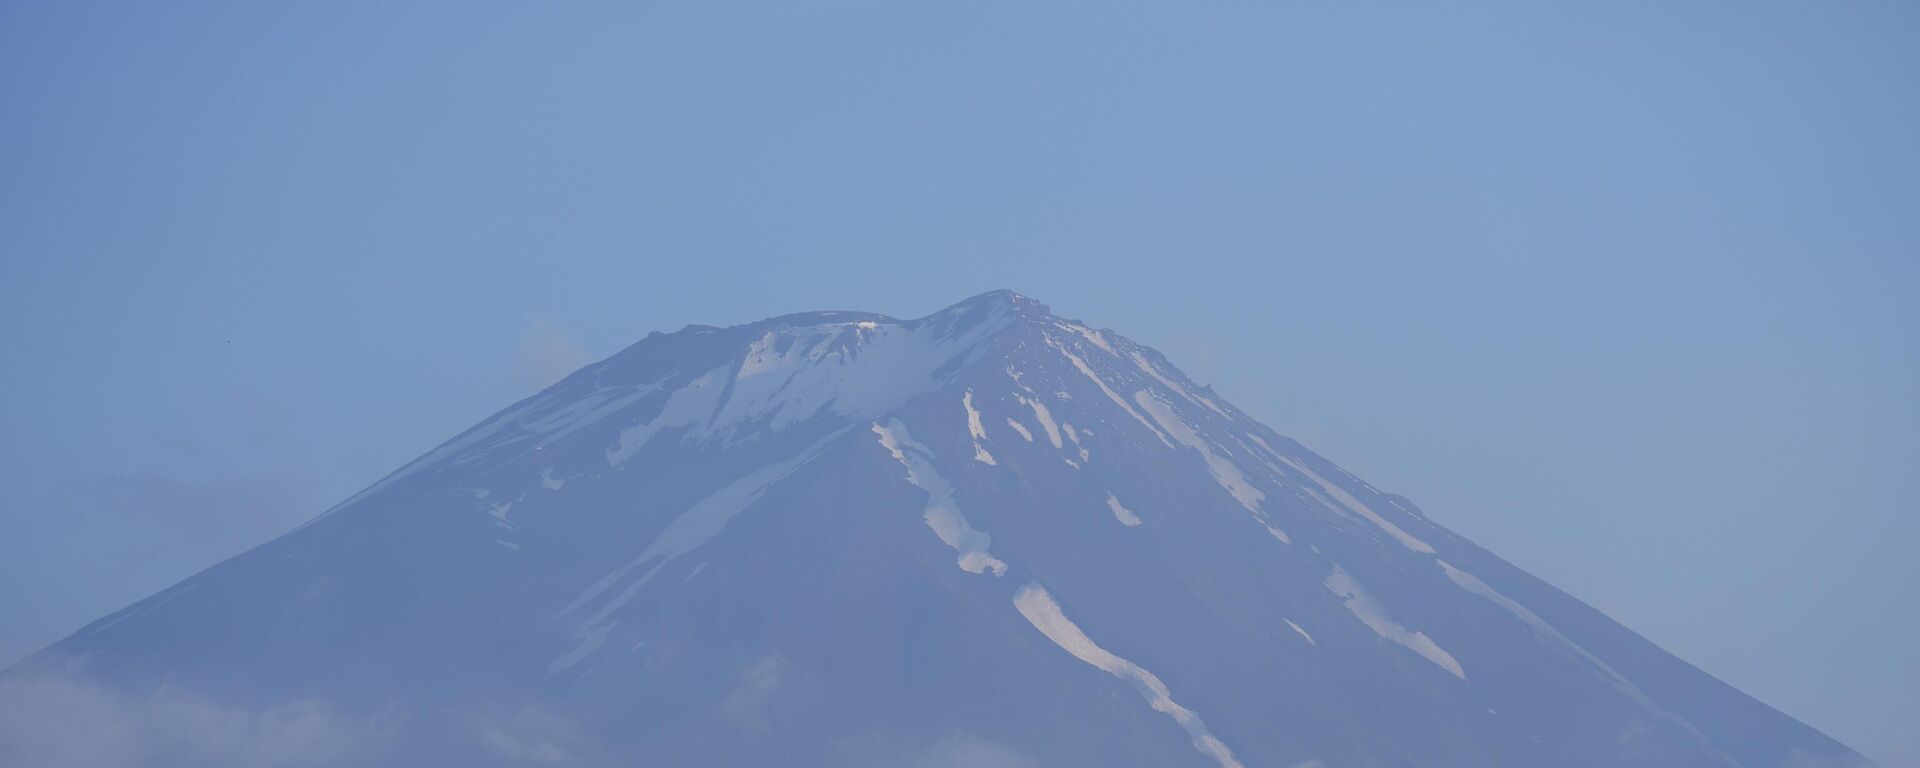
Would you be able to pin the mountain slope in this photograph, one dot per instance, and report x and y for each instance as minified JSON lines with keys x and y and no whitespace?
{"x":990,"y":536}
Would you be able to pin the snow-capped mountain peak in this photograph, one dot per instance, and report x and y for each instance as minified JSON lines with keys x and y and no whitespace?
{"x":840,"y":538}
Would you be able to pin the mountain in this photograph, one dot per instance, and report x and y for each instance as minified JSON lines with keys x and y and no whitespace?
{"x":985,"y":537}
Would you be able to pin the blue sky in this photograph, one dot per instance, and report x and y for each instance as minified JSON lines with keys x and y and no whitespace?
{"x":1623,"y":291}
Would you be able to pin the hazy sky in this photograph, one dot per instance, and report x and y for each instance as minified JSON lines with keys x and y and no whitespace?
{"x":1623,"y":291}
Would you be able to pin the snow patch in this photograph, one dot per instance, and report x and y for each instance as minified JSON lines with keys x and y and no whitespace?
{"x":687,"y":407}
{"x":556,"y":431}
{"x":976,"y":429}
{"x":791,"y":374}
{"x":1020,"y":428}
{"x":497,"y":510}
{"x":857,"y":371}
{"x":1303,"y":633}
{"x":536,"y":416}
{"x":1092,"y":336}
{"x":1121,"y":513}
{"x":1074,"y":437}
{"x":1038,"y":606}
{"x":549,"y":482}
{"x":1280,"y":534}
{"x":1146,"y":366}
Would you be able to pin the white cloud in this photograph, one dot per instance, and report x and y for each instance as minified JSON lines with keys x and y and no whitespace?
{"x":964,"y":750}
{"x":535,"y":736}
{"x":745,"y":706}
{"x":62,"y":723}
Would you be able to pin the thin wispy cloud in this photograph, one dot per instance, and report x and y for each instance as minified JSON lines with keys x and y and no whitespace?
{"x":545,"y":354}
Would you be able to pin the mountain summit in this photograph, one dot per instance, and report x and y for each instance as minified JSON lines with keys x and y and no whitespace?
{"x":985,"y":537}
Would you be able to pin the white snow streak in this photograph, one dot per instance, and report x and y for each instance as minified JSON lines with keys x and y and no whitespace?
{"x":1568,"y":647}
{"x":1347,"y":500}
{"x":942,"y":513}
{"x":1147,"y":367}
{"x":1537,"y":625}
{"x":141,"y":608}
{"x":1045,"y":418}
{"x":1342,"y":502}
{"x":1372,"y":614}
{"x":1045,"y":615}
{"x":1081,"y":365}
{"x":1303,"y":633}
{"x":1121,"y":513}
{"x":1225,"y":472}
{"x":693,"y":528}
{"x":1020,"y":428}
{"x":1263,"y":444}
{"x":586,"y":641}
